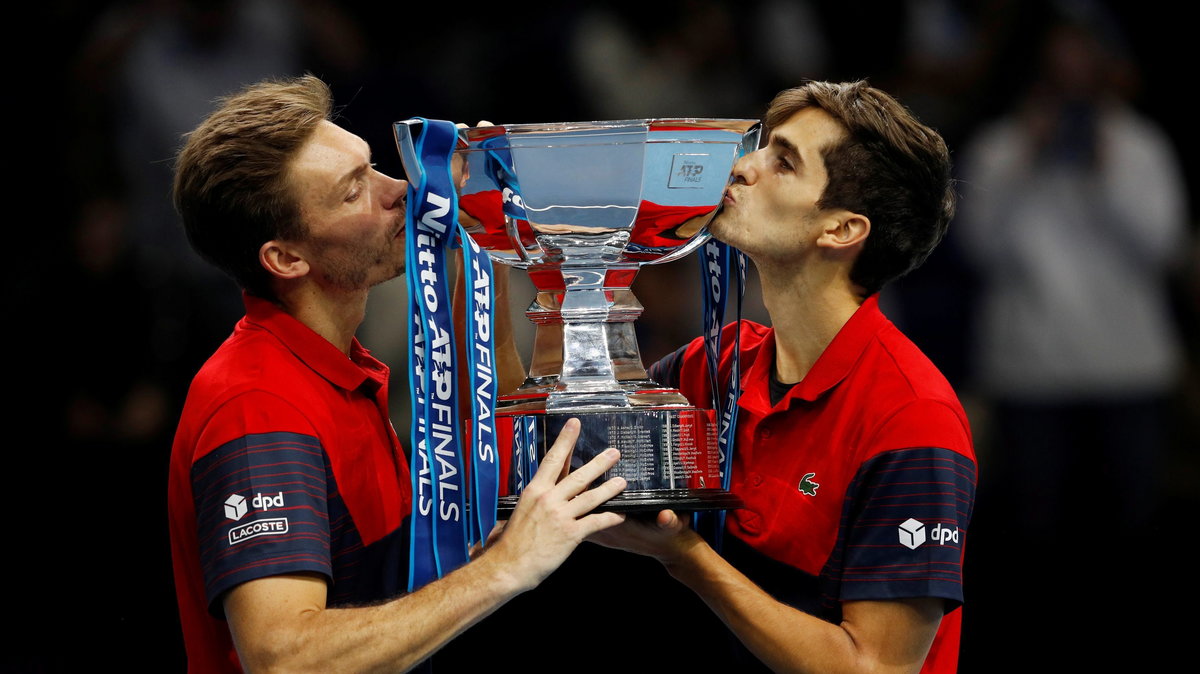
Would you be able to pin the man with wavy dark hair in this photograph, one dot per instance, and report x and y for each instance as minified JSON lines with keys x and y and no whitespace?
{"x":289,"y":492}
{"x":852,"y":452}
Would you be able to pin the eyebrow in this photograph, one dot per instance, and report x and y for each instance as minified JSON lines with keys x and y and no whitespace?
{"x":334,"y":196}
{"x":352,"y":175}
{"x":787,"y":145}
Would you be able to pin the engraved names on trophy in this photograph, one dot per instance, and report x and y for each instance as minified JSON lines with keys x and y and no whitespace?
{"x":631,"y":434}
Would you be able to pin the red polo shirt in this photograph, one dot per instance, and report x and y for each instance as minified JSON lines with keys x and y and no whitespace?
{"x":858,"y":483}
{"x":284,"y":462}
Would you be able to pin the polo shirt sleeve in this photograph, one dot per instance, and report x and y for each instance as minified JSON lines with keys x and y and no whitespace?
{"x":260,"y":496}
{"x":666,"y":371}
{"x":906,"y":512}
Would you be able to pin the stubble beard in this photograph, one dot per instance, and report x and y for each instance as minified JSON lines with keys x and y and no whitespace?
{"x":353,"y":271}
{"x":721,"y":229}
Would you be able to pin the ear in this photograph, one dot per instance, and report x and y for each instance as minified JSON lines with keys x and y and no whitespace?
{"x":844,"y":230}
{"x":282,"y":260}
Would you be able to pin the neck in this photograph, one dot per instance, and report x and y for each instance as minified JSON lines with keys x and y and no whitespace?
{"x":808,"y":305}
{"x":332,"y":315}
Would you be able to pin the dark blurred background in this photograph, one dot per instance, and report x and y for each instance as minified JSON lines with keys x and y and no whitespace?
{"x":1063,"y":304}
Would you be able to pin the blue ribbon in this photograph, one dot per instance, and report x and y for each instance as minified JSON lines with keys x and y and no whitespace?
{"x":525,"y":450}
{"x":714,"y":273}
{"x":519,"y":469}
{"x":485,"y":466}
{"x":532,"y":443}
{"x":439,"y":540}
{"x":498,"y":165}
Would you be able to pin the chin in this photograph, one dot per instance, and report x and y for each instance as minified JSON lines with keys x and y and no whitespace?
{"x":383,"y":277}
{"x":721,"y":234}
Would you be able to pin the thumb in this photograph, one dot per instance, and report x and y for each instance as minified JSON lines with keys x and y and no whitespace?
{"x":667,"y":519}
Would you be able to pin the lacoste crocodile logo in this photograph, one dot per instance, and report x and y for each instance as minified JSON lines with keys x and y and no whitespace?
{"x":807,"y":486}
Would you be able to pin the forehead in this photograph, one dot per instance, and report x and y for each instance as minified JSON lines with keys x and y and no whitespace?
{"x":330,"y":152}
{"x":809,"y":131}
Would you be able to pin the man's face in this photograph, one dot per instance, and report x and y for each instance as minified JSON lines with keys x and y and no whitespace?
{"x":354,"y":215}
{"x":771,"y":210}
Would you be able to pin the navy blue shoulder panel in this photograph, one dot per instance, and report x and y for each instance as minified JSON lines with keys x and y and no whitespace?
{"x":268,"y":504}
{"x":261,"y":510}
{"x":903,"y":528}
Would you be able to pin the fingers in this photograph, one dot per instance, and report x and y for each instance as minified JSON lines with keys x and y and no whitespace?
{"x":474,"y":550}
{"x":564,"y":471}
{"x":588,"y":500}
{"x":495,"y":533}
{"x":573,"y":486}
{"x":597,"y":522}
{"x":558,"y":456}
{"x":575,"y":483}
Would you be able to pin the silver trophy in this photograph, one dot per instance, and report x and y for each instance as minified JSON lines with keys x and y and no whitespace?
{"x":582,"y":206}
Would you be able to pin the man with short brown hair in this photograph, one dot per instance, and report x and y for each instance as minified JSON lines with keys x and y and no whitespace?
{"x":231,"y":178}
{"x":289,"y":492}
{"x":852,"y":453}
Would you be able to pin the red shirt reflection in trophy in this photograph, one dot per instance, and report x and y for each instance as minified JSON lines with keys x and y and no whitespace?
{"x":482,"y":215}
{"x":657,"y":226}
{"x":661,"y":227}
{"x":485,"y":214}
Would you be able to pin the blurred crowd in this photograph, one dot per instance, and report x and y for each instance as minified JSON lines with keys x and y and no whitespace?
{"x":1064,"y":304}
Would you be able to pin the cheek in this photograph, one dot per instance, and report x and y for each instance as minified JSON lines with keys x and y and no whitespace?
{"x":362,"y":227}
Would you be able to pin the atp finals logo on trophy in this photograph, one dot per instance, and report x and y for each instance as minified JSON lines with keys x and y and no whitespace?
{"x":687,"y":172}
{"x":581,"y":207}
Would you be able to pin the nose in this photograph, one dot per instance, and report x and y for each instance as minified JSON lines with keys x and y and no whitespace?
{"x":391,"y":190}
{"x":745,"y":170}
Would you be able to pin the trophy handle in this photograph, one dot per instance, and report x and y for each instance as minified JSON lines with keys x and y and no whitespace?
{"x":514,"y":238}
{"x":404,"y":132}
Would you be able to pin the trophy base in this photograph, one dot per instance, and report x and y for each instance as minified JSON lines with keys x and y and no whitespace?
{"x":668,"y":454}
{"x":650,"y":500}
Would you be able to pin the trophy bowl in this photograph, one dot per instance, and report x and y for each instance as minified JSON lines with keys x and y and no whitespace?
{"x":581,"y":207}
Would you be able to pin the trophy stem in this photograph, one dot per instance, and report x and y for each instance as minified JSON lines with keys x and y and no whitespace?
{"x":585,"y":350}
